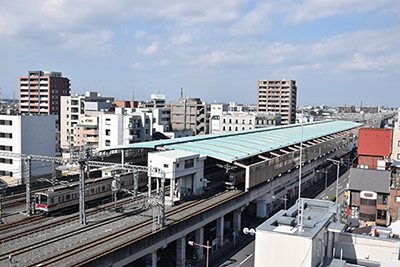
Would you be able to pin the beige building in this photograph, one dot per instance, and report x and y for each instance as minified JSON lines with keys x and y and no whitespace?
{"x":189,"y":114}
{"x":278,"y":96}
{"x":395,"y":145}
{"x":73,"y":112}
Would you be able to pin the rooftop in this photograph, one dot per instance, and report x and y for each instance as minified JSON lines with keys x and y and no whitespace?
{"x":317,"y":214}
{"x":235,"y":146}
{"x":369,"y":180}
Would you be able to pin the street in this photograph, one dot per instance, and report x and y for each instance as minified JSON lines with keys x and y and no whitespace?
{"x":243,"y":258}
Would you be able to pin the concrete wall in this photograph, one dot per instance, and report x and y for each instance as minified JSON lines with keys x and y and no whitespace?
{"x":365,"y":248}
{"x":272,"y":249}
{"x":30,"y":135}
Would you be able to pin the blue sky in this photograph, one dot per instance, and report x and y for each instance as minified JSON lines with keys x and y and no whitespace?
{"x":338,"y":51}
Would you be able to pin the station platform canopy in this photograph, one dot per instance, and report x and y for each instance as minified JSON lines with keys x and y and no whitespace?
{"x":239,"y":145}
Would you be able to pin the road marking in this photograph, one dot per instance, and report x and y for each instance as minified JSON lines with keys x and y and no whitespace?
{"x":248,"y":257}
{"x":330,"y":189}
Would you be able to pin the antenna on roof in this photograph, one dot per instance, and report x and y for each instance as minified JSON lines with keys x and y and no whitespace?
{"x":181,"y":92}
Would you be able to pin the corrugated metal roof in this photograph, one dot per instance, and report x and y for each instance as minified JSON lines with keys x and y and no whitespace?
{"x":369,"y":180}
{"x":234,"y":146}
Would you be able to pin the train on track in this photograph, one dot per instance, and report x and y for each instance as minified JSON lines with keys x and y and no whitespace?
{"x":61,"y":197}
{"x":233,"y":179}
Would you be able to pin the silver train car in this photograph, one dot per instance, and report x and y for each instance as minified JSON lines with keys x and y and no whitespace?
{"x":60,"y":197}
{"x":233,"y":179}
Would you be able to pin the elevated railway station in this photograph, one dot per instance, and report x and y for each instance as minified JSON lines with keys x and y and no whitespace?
{"x":257,"y":168}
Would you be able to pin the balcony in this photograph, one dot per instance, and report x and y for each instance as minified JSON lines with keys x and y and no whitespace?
{"x":92,"y":139}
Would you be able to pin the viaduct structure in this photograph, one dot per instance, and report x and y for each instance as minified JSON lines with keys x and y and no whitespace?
{"x":270,"y":159}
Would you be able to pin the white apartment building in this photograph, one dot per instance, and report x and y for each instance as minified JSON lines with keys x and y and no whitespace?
{"x":131,"y":125}
{"x":235,"y":107}
{"x":278,"y":96}
{"x":26,"y":134}
{"x":240,"y":121}
{"x":74,"y":109}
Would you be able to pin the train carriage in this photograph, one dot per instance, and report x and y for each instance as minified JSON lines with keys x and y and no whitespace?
{"x":60,"y":197}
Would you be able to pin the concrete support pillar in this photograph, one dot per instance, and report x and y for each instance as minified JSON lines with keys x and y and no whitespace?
{"x":172,"y":189}
{"x":181,"y":251}
{"x":151,"y":259}
{"x":220,"y":231}
{"x":329,"y":252}
{"x":261,"y":207}
{"x":199,"y":239}
{"x":237,"y":221}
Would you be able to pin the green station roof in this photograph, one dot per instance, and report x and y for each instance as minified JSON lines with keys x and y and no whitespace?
{"x":234,"y":146}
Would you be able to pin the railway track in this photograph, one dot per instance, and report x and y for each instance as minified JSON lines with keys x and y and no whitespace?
{"x":51,"y":225}
{"x":97,"y":244}
{"x":70,"y":252}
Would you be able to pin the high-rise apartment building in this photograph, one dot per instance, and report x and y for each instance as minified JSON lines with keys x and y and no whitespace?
{"x":40,"y":93}
{"x":278,"y":96}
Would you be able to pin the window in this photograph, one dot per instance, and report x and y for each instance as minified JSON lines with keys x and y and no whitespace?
{"x":108,"y":142}
{"x":189,"y":163}
{"x":54,"y":91}
{"x":108,"y":132}
{"x":177,"y":165}
{"x":223,"y":121}
{"x":6,"y":135}
{"x":5,"y":122}
{"x":223,"y":128}
{"x":6,"y":148}
{"x":6,"y":161}
{"x":381,"y":215}
{"x":398,"y":156}
{"x":108,"y":121}
{"x":382,"y":199}
{"x":68,"y":197}
{"x":165,"y":165}
{"x":398,"y":144}
{"x":65,"y":92}
{"x":243,"y":121}
{"x":54,"y":96}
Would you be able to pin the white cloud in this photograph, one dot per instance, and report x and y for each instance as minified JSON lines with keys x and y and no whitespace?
{"x":139,"y":35}
{"x":310,"y":10}
{"x":164,"y":62}
{"x":136,"y":66}
{"x":149,"y":50}
{"x":256,"y":21}
{"x":91,"y":42}
{"x":181,"y":39}
{"x":219,"y":57}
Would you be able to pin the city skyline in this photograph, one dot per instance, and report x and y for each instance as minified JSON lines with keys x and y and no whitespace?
{"x":339,"y":52}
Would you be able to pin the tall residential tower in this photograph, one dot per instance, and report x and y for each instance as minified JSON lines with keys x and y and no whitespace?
{"x":278,"y":96}
{"x":40,"y":93}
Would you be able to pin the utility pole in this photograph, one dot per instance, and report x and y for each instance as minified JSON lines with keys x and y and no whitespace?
{"x":28,"y":185}
{"x":82,"y":214}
